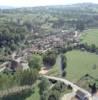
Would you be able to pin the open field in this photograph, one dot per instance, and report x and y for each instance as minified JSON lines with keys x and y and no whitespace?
{"x":35,"y":95}
{"x":81,"y":63}
{"x":55,"y":71}
{"x":90,"y":36}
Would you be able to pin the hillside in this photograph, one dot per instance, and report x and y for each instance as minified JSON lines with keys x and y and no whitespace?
{"x":6,"y":7}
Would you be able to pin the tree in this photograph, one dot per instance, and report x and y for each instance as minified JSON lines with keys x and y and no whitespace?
{"x":7,"y":81}
{"x":86,"y":46}
{"x":43,"y":86}
{"x":50,"y":95}
{"x":27,"y":77}
{"x":54,"y":95}
{"x":96,"y":50}
{"x":80,"y":25}
{"x":93,"y":88}
{"x":13,"y":47}
{"x":93,"y":48}
{"x":60,"y":86}
{"x":63,"y":65}
{"x":44,"y":95}
{"x":49,"y":59}
{"x":35,"y":62}
{"x":63,"y":62}
{"x":64,"y":73}
{"x":29,"y":25}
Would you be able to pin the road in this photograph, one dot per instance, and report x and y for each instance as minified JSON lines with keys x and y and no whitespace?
{"x":3,"y":66}
{"x":75,"y":87}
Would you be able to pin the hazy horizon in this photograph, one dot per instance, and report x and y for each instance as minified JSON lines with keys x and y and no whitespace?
{"x":33,"y":3}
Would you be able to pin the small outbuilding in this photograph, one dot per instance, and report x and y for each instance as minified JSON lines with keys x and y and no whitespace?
{"x":81,"y":96}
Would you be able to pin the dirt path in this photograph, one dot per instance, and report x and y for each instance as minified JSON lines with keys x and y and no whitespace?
{"x":14,"y":90}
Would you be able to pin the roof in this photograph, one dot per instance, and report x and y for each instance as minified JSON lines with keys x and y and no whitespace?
{"x":80,"y":94}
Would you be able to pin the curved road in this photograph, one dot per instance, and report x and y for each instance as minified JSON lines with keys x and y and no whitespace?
{"x":75,"y":87}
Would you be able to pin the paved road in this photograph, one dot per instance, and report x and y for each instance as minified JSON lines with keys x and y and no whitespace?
{"x":75,"y":87}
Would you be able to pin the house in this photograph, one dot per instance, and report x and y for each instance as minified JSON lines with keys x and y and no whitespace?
{"x":81,"y":96}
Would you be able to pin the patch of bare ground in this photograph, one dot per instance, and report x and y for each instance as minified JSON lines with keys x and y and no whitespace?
{"x":74,"y":98}
{"x":43,"y":71}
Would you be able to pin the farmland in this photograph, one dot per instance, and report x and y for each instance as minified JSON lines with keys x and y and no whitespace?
{"x":90,"y":36}
{"x":80,"y":63}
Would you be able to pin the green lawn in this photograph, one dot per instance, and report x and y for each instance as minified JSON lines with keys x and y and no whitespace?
{"x":90,"y":36}
{"x":81,"y":63}
{"x":55,"y":70}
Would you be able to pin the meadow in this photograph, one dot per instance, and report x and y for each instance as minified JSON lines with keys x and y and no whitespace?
{"x":80,"y":63}
{"x":90,"y":36}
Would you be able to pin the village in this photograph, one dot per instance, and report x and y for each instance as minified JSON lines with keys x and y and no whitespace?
{"x":18,"y":60}
{"x":41,"y":45}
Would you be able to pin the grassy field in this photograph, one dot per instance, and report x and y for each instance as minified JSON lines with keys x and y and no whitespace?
{"x":81,"y":63}
{"x":55,"y":71}
{"x":35,"y":95}
{"x":90,"y":36}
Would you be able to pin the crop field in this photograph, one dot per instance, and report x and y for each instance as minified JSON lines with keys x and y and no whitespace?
{"x":90,"y":36}
{"x":80,"y":63}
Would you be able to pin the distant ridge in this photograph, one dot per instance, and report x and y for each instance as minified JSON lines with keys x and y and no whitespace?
{"x":88,"y":4}
{"x":6,"y":7}
{"x":85,"y":4}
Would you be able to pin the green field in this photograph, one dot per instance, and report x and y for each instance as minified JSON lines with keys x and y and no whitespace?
{"x":35,"y":95}
{"x":80,"y":63}
{"x":55,"y":70}
{"x":90,"y":36}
